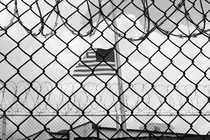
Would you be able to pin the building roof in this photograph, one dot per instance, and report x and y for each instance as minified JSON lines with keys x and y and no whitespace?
{"x":64,"y":134}
{"x":161,"y":127}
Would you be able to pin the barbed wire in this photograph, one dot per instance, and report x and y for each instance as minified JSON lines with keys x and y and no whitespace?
{"x":93,"y":98}
{"x":102,"y":17}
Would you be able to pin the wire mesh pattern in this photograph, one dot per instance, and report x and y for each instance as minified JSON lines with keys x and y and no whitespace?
{"x":164,"y":69}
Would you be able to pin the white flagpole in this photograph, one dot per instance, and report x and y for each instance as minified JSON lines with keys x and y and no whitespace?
{"x":4,"y":127}
{"x":120,"y":84}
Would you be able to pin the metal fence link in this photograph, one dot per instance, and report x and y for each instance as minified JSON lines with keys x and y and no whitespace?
{"x":161,"y":83}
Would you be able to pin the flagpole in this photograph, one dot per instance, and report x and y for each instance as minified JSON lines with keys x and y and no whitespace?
{"x":4,"y":127}
{"x":119,"y":72}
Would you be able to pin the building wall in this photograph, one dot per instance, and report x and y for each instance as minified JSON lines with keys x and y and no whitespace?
{"x":39,"y":136}
{"x":84,"y":130}
{"x":88,"y":130}
{"x":113,"y":134}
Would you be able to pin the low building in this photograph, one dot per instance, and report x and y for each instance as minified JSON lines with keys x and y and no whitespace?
{"x":47,"y":135}
{"x":91,"y":131}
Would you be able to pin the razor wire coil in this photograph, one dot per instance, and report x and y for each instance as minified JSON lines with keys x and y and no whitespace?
{"x":103,"y":17}
{"x":30,"y":97}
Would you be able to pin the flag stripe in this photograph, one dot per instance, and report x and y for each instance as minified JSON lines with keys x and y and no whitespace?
{"x":90,"y":65}
{"x":95,"y":70}
{"x":93,"y":65}
{"x":91,"y":74}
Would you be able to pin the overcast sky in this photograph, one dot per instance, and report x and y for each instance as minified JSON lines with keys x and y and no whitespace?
{"x":157,"y":47}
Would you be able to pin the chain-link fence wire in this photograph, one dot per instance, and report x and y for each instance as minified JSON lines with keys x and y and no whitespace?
{"x":164,"y":56}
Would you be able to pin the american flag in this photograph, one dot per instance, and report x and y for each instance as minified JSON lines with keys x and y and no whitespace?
{"x":96,"y":62}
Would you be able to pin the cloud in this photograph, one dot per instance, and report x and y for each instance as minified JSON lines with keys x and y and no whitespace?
{"x":179,"y":51}
{"x":42,"y":51}
{"x":125,"y":23}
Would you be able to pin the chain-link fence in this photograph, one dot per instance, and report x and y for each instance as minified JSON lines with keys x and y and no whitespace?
{"x":104,"y":69}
